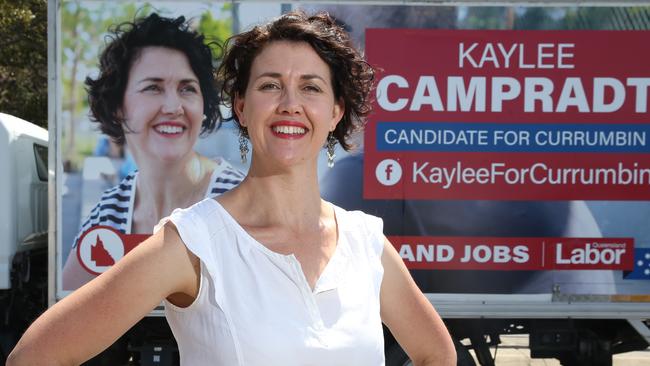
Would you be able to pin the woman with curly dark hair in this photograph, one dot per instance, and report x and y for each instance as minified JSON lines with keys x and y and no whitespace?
{"x":156,"y":92}
{"x":268,"y":273}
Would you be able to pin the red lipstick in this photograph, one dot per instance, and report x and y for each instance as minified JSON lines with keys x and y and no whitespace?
{"x":289,"y":129}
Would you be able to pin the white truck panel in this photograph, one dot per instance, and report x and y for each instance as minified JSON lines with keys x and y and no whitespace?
{"x":7,"y":225}
{"x":20,"y":211}
{"x":536,"y":306}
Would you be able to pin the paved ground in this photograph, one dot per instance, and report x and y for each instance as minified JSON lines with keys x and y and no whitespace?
{"x":513,"y":351}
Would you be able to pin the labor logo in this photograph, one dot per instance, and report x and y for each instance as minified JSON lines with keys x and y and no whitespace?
{"x":99,"y":248}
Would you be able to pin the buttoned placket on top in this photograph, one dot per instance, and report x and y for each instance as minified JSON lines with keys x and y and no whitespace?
{"x":329,"y":279}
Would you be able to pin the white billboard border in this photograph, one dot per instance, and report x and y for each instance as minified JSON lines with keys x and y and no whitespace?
{"x":448,"y":305}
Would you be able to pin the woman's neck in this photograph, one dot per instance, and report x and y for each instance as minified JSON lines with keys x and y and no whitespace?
{"x":277,"y":197}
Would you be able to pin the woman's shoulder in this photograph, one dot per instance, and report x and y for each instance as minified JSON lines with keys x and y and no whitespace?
{"x":357,"y":219}
{"x":203,"y":211}
{"x":196,"y":225}
{"x":206,"y":219}
{"x":361,"y":228}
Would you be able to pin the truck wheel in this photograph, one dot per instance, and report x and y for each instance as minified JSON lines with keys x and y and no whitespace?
{"x":395,"y":356}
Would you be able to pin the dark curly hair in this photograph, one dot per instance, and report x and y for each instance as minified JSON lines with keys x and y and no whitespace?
{"x":126,"y":41}
{"x":352,"y":76}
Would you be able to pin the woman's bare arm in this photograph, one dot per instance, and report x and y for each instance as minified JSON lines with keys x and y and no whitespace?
{"x":96,"y":315}
{"x":410,"y":316}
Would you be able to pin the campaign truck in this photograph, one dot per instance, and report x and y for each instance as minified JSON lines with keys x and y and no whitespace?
{"x":508,"y":154}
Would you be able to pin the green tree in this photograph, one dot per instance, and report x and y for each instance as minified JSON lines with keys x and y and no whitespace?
{"x":216,"y":30}
{"x":23,"y":59}
{"x":608,"y":18}
{"x":539,"y":18}
{"x":487,"y":17}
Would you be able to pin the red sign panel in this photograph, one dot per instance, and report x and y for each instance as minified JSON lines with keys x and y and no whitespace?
{"x":519,"y":115}
{"x":489,"y":253}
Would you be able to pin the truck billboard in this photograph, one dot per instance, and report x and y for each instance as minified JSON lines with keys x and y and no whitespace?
{"x":510,"y":167}
{"x":517,"y":128}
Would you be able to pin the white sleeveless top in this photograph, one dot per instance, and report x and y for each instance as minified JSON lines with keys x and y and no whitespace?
{"x":255,"y":306}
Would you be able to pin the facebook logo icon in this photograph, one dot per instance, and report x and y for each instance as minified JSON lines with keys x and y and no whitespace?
{"x":388,"y":172}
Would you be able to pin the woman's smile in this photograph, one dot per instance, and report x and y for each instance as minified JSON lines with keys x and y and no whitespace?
{"x":170,"y":129}
{"x":289,"y":129}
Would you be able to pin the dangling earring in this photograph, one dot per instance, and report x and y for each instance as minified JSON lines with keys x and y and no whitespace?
{"x":331,"y":143}
{"x":243,"y":144}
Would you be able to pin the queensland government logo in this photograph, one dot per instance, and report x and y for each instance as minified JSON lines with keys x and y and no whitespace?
{"x":99,"y":248}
